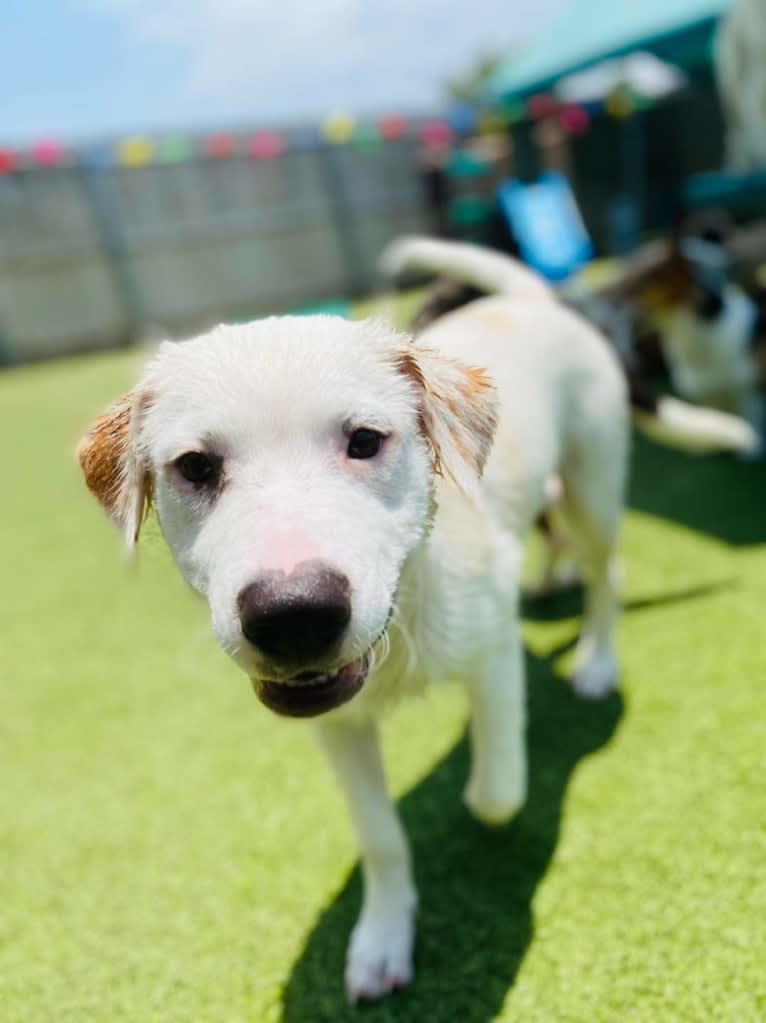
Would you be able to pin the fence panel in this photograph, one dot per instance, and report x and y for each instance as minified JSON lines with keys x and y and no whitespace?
{"x":56,"y":288}
{"x":96,"y":256}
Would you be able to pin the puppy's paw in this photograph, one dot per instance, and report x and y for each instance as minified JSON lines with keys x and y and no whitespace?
{"x":496,"y":803}
{"x":379,"y":957}
{"x":597,"y":677}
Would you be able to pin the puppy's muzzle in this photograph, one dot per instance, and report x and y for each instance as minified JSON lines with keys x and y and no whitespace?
{"x":298,"y":619}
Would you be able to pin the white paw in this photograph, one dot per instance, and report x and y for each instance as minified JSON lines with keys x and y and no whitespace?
{"x":495,"y":803}
{"x":379,"y":957}
{"x":598,"y":676}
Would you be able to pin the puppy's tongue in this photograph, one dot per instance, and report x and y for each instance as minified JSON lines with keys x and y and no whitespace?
{"x":309,"y":678}
{"x":310,"y":693}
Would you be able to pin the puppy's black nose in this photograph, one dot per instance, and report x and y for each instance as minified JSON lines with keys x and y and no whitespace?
{"x":298,"y":617}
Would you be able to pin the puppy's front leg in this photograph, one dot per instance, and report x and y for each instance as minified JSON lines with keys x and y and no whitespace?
{"x":380,"y":953}
{"x":497,"y":787}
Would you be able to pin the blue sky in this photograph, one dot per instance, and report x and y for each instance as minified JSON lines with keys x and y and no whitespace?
{"x":81,"y":68}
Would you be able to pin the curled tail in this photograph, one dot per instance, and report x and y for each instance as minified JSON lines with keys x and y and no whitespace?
{"x":671,"y":422}
{"x":491,"y":272}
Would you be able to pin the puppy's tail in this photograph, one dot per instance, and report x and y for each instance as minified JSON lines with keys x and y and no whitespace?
{"x":667,"y":420}
{"x":484,"y":269}
{"x":689,"y":428}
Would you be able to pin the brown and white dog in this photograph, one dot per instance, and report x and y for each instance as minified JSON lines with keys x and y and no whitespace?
{"x":712,"y":332}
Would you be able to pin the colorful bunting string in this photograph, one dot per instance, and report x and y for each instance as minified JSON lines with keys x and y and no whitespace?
{"x":48,"y":153}
{"x":436,"y":135}
{"x":97,"y":157}
{"x":220,"y":146}
{"x":619,"y":104}
{"x":641,"y":102}
{"x":392,"y":127}
{"x":593,"y":108}
{"x":574,"y":119}
{"x":338,"y":128}
{"x":513,"y":110}
{"x":9,"y":161}
{"x":492,"y":124}
{"x":305,"y":140}
{"x":366,"y":136}
{"x":462,"y":119}
{"x":266,"y":145}
{"x":173,"y":150}
{"x":135,"y":152}
{"x":541,"y":106}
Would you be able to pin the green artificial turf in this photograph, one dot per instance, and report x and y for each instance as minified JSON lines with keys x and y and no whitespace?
{"x":171,"y":852}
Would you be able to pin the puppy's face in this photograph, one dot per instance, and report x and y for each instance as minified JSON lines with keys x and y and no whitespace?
{"x":291,"y":465}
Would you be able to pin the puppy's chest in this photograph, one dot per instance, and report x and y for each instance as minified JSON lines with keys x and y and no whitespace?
{"x":455,"y":606}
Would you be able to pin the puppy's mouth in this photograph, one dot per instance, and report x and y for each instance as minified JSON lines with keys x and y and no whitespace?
{"x":312,"y":693}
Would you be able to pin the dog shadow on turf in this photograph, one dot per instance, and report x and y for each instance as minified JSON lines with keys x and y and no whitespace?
{"x":570,"y":601}
{"x":476,"y":885}
{"x":718,"y":495}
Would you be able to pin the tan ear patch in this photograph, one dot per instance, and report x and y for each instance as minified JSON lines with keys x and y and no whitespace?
{"x":110,"y":466}
{"x":102,"y":452}
{"x":408,"y":364}
{"x":457,"y":412}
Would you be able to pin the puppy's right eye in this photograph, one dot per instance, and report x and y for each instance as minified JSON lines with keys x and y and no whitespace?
{"x":364,"y":443}
{"x":199,"y":468}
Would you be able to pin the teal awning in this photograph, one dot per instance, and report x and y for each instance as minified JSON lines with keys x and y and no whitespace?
{"x":588,"y":31}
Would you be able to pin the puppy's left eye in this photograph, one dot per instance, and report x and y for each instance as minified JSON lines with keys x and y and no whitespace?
{"x":364,"y":443}
{"x":201,"y":469}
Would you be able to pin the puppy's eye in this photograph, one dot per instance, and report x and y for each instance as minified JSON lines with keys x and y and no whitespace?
{"x":200,"y":469}
{"x":364,"y":443}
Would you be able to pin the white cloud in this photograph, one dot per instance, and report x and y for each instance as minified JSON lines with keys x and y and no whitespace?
{"x":255,"y":59}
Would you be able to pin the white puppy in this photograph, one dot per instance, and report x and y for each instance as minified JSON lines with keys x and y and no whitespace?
{"x":333,"y":490}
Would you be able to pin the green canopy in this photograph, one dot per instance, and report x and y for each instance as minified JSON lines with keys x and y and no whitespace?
{"x":588,"y":31}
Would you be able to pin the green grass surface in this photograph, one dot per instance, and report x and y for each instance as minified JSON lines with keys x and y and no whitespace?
{"x":170,"y":852}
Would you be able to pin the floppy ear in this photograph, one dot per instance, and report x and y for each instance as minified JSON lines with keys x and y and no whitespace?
{"x":458,"y":412}
{"x":112,"y":467}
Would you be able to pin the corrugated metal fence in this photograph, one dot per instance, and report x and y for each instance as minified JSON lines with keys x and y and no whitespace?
{"x":93,"y":257}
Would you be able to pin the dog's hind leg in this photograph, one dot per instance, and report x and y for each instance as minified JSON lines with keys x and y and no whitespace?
{"x":561,"y":570}
{"x":379,"y":957}
{"x":497,"y":787}
{"x":594,"y":484}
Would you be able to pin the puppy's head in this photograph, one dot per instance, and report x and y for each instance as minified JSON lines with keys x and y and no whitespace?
{"x":291,"y":462}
